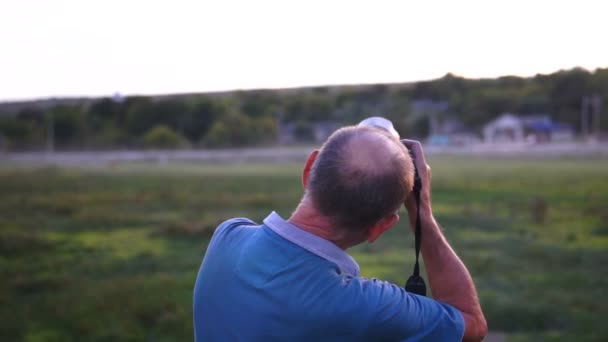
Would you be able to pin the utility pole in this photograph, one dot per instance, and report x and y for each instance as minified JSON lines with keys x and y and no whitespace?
{"x":596,"y":103}
{"x":584,"y":121}
{"x":590,"y":116}
{"x":50,"y":133}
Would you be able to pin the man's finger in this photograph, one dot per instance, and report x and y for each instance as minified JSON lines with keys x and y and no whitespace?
{"x":416,"y":147}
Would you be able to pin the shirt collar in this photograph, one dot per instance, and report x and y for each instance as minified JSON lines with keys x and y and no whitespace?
{"x":312,"y":243}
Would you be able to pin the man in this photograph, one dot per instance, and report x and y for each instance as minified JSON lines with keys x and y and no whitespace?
{"x":291,"y":280}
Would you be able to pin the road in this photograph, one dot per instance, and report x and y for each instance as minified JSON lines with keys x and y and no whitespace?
{"x":289,"y":154}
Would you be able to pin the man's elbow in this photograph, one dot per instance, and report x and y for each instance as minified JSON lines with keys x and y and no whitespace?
{"x":477,"y":331}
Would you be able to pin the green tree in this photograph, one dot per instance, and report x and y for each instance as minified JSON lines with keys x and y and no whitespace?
{"x":68,"y":126}
{"x":137,"y":118}
{"x":264,"y":130}
{"x":566,"y":90}
{"x":259,"y":103}
{"x":218,"y":135}
{"x":309,"y":107}
{"x":105,"y":112}
{"x":237,"y":129}
{"x":200,"y":116}
{"x":161,"y":136}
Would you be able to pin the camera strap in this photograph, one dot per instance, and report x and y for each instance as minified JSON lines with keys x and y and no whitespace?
{"x":415,"y":284}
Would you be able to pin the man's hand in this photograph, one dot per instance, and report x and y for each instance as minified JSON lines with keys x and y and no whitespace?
{"x":449,"y":278}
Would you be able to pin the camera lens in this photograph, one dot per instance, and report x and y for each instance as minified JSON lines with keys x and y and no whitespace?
{"x":380,"y":122}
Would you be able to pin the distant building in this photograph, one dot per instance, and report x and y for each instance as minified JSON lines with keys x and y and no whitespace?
{"x":444,"y":128}
{"x":538,"y":128}
{"x":450,"y":132}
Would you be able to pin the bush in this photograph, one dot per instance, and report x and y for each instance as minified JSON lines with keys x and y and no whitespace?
{"x":161,"y":136}
{"x":218,"y":135}
{"x":237,"y":129}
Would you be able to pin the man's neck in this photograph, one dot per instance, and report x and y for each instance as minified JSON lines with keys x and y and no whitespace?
{"x":307,"y":218}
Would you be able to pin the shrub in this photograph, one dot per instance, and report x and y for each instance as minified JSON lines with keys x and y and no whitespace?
{"x":161,"y":136}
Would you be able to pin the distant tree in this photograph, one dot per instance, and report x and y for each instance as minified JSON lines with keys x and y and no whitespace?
{"x":259,"y":103}
{"x":68,"y":125}
{"x":106,"y":109}
{"x":163,"y":137}
{"x":143,"y":114}
{"x":232,"y":129}
{"x":34,"y":126}
{"x":251,"y":117}
{"x":566,"y":90}
{"x":12,"y":128}
{"x":137,"y":117}
{"x":200,"y":116}
{"x":218,"y":135}
{"x":31,"y":114}
{"x":265,"y":129}
{"x":171,"y":113}
{"x":599,"y":83}
{"x":309,"y":107}
{"x":237,"y":129}
{"x":105,"y":112}
{"x":13,"y":133}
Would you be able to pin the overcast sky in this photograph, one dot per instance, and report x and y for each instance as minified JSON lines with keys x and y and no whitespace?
{"x":87,"y":47}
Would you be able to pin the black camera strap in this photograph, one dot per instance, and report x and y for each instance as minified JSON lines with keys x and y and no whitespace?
{"x":415,"y":283}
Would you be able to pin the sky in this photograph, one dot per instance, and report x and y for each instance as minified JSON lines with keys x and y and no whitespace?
{"x":99,"y":48}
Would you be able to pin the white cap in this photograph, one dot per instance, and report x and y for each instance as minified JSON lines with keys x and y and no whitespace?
{"x":380,"y":122}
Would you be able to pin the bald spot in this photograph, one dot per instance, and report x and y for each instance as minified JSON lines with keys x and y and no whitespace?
{"x":371,"y":153}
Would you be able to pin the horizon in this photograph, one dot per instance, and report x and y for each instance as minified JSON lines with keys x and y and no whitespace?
{"x":299,"y":87}
{"x":67,"y":49}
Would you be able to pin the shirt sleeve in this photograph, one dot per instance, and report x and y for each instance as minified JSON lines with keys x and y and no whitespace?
{"x":396,"y":315}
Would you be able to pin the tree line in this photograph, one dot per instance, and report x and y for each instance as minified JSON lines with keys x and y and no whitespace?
{"x":247,"y":118}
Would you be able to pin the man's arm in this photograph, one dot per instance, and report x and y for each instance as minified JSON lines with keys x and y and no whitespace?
{"x":449,"y":279}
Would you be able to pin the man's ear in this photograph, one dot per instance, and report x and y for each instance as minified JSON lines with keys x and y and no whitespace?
{"x":383,"y":225}
{"x":308,"y":166}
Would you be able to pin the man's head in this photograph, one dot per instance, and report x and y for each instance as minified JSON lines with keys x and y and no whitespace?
{"x":360,"y":177}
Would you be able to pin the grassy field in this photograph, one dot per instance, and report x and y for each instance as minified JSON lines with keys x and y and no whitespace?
{"x":111,"y":253}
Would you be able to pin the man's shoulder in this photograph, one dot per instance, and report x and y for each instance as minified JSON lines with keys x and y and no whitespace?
{"x":234,"y":223}
{"x":229,"y":228}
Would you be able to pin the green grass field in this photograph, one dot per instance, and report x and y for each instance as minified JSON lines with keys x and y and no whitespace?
{"x":111,"y":253}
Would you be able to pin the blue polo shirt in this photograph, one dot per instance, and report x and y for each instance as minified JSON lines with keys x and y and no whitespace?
{"x":277,"y":282}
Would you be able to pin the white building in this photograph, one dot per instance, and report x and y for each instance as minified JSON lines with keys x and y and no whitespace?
{"x":510,"y":127}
